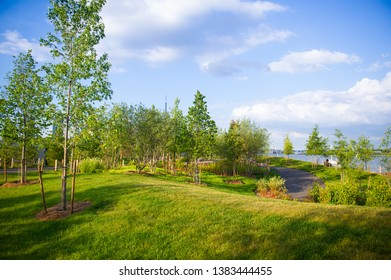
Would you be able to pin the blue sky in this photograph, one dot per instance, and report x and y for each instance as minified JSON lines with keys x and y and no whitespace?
{"x":288,"y":65}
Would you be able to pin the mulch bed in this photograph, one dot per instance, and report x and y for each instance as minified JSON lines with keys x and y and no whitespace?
{"x":56,"y":213}
{"x":15,"y":184}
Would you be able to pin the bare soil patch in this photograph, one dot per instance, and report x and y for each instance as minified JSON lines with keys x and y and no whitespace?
{"x":56,"y":213}
{"x":15,"y":184}
{"x":145,"y":173}
{"x":235,"y":182}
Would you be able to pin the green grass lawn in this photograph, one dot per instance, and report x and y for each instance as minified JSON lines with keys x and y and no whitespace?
{"x":162,"y":217}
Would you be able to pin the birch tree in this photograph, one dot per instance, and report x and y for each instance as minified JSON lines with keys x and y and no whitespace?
{"x":202,"y":131}
{"x":26,"y":101}
{"x":364,"y":150}
{"x":316,"y":145}
{"x":288,"y":146}
{"x":78,"y":74}
{"x":385,"y":148}
{"x":177,"y":134}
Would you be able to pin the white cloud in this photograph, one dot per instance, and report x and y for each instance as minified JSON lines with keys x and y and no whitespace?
{"x":14,"y":44}
{"x":217,"y":61}
{"x":309,"y":61}
{"x":159,"y":54}
{"x":367,"y":102}
{"x":158,"y":31}
{"x":141,"y":17}
{"x":379,"y":65}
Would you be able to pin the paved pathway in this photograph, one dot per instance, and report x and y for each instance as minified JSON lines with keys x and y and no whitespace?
{"x":297,"y":181}
{"x":17,"y":170}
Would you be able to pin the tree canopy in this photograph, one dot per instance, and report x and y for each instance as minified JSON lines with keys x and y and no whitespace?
{"x":316,"y":145}
{"x":288,"y":146}
{"x":202,"y":131}
{"x":25,"y":106}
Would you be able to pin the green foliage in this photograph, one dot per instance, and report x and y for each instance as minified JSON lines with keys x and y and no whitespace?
{"x":256,"y":142}
{"x":106,"y":134}
{"x":315,"y":191}
{"x":91,"y":165}
{"x":241,"y":146}
{"x":379,"y":195}
{"x":346,"y":193}
{"x":273,"y":187}
{"x":223,"y":167}
{"x":202,"y":131}
{"x":149,"y":131}
{"x":288,"y":146}
{"x":316,"y":145}
{"x":177,"y":135}
{"x":364,"y":150}
{"x":79,"y":77}
{"x":385,"y":148}
{"x":25,"y":109}
{"x":351,"y":193}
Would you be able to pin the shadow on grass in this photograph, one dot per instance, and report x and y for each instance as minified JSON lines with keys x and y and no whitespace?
{"x":279,"y":238}
{"x":22,"y":236}
{"x":142,"y":220}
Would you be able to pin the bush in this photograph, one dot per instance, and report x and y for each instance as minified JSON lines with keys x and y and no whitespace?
{"x":225,"y":168}
{"x":91,"y":165}
{"x":314,"y":192}
{"x":379,"y":195}
{"x":273,"y":187}
{"x":347,"y":193}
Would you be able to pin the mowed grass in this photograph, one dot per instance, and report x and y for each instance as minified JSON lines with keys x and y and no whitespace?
{"x":159,"y":217}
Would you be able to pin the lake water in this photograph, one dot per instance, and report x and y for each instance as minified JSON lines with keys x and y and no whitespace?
{"x":374,"y":165}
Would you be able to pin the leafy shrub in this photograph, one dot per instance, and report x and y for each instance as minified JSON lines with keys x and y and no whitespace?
{"x":91,"y":165}
{"x":314,"y":192}
{"x":273,"y":187}
{"x":379,"y":195}
{"x":347,"y":193}
{"x":225,"y":168}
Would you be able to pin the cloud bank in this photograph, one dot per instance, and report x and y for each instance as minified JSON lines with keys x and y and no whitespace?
{"x":161,"y":31}
{"x":15,"y":43}
{"x":309,"y":61}
{"x":368,"y":102}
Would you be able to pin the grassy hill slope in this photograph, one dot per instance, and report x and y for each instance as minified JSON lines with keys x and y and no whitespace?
{"x":142,"y":217}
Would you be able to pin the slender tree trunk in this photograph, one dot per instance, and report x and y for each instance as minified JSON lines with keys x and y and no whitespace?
{"x":42,"y":189}
{"x":196,"y":174}
{"x":23,"y":168}
{"x":64,"y":166}
{"x":174,"y":163}
{"x":73,"y":185}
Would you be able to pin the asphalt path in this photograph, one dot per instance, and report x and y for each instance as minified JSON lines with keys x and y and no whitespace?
{"x":17,"y":170}
{"x":297,"y":181}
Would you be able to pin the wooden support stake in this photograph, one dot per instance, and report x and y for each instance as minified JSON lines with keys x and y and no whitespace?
{"x":5,"y":170}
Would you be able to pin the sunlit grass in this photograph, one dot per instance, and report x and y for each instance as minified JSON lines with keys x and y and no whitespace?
{"x":163,"y":217}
